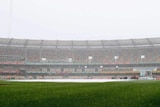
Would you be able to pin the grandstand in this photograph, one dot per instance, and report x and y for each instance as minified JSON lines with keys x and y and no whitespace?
{"x":24,"y":58}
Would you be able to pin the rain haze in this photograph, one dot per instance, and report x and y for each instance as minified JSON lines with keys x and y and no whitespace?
{"x":79,"y":19}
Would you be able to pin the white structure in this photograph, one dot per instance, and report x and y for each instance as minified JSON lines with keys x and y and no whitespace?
{"x":142,"y":57}
{"x":115,"y":58}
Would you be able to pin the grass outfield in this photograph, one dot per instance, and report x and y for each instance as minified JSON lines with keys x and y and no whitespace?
{"x":109,"y":94}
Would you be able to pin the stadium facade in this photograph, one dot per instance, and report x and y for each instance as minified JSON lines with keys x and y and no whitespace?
{"x":24,"y":58}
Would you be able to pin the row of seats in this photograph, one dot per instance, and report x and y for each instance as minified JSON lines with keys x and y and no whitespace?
{"x":9,"y":70}
{"x":105,"y":56}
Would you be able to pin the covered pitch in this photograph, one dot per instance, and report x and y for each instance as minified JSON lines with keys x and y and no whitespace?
{"x":72,"y":80}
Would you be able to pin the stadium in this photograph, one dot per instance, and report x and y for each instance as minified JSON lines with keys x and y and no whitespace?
{"x":90,"y":59}
{"x":86,"y":53}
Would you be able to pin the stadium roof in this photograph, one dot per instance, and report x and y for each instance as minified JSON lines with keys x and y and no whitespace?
{"x":74,"y":44}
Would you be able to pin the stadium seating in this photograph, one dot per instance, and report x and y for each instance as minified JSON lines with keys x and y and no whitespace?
{"x":125,"y":56}
{"x":18,"y":53}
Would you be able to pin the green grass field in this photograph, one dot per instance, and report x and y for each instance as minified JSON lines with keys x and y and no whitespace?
{"x":109,"y":94}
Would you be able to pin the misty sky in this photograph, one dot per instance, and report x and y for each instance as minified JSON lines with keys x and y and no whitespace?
{"x":80,"y":19}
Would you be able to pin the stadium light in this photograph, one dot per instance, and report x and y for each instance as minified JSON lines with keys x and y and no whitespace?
{"x":142,"y":57}
{"x":101,"y":67}
{"x":90,"y":59}
{"x":44,"y":59}
{"x":69,"y":59}
{"x":117,"y":67}
{"x":115,"y":58}
{"x":85,"y":67}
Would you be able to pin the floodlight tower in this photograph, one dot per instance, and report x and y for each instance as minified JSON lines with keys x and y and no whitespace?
{"x":10,"y":19}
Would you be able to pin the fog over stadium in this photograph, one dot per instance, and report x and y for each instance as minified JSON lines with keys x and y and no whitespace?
{"x":79,"y":19}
